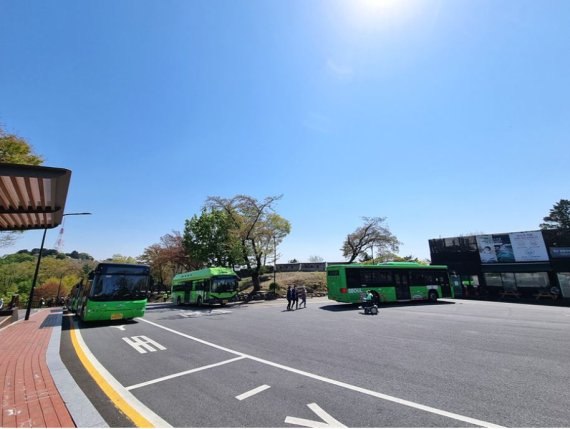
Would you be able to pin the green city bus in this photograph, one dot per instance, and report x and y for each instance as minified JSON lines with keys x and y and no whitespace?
{"x":216,"y":285}
{"x":388,"y":281}
{"x":112,"y":292}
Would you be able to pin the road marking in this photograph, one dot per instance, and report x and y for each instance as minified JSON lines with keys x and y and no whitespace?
{"x":252,"y":392}
{"x":342,"y":384}
{"x":140,"y":414}
{"x":203,"y":313}
{"x":329,"y":421}
{"x":120,"y":328}
{"x":143,"y":344}
{"x":180,"y":374}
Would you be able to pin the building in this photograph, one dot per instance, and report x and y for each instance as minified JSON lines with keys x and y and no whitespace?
{"x":528,"y":263}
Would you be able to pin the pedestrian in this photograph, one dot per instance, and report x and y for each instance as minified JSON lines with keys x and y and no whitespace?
{"x":289,"y":296}
{"x":303,"y":296}
{"x":42,"y":303}
{"x":165,"y":296}
{"x":294,"y":298}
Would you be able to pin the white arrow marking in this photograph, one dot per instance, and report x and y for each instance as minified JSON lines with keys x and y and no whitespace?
{"x":328,"y":420}
{"x":120,"y":328}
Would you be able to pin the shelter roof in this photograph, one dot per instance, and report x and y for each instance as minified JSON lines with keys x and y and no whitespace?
{"x":32,"y":197}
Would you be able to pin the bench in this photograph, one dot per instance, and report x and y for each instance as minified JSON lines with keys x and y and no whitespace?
{"x":511,"y":293}
{"x":546,"y":294}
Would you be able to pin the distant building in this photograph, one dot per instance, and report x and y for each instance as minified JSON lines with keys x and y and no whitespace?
{"x":521,"y":263}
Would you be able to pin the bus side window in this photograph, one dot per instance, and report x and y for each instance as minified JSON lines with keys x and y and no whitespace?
{"x":206,"y":286}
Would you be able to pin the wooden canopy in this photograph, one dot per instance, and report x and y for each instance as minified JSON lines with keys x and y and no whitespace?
{"x":32,"y":197}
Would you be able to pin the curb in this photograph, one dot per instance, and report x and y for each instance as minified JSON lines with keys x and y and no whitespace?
{"x":81,"y":409}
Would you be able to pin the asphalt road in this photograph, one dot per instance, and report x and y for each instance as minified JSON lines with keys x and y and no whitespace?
{"x":452,"y":364}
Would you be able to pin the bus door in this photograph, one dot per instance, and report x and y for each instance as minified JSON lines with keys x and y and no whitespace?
{"x":402,"y":285}
{"x":187,"y":290}
{"x":207,"y":287}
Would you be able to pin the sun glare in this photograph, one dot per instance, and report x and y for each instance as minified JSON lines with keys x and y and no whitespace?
{"x":375,"y":11}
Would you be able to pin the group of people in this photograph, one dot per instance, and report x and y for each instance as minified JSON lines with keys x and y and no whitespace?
{"x":293,"y":296}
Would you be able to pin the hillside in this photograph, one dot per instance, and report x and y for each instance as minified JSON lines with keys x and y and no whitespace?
{"x":313,"y":281}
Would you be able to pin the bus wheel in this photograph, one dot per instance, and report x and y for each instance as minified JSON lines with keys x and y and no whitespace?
{"x":178,"y":301}
{"x":199,"y":301}
{"x":432,"y":296}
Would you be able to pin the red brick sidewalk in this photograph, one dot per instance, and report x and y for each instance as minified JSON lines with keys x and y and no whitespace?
{"x":29,"y":395}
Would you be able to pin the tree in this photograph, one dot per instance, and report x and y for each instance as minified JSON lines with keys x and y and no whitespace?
{"x":121,"y":259}
{"x":367,"y":237}
{"x":15,"y":150}
{"x":209,"y":240}
{"x":559,"y":217}
{"x":255,"y":225}
{"x":315,"y":259}
{"x":167,"y":258}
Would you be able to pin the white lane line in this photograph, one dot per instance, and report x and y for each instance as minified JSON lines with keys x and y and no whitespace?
{"x":252,"y":392}
{"x":180,"y":374}
{"x":379,"y":395}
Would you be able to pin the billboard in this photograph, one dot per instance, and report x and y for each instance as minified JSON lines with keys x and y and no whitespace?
{"x":514,"y":247}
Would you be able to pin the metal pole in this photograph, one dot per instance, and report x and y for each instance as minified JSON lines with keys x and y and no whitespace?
{"x":35,"y":277}
{"x":274,"y":264}
{"x":58,"y":289}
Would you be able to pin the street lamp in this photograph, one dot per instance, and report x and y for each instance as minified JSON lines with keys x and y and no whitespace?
{"x":29,"y":307}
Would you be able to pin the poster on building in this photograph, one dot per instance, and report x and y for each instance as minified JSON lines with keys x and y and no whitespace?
{"x":486,"y":249}
{"x":528,"y":246}
{"x":503,"y":248}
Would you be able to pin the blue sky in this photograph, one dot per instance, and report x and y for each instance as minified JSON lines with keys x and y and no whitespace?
{"x":446,"y":117}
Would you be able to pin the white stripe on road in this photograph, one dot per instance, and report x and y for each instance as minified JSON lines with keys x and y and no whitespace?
{"x":364,"y":391}
{"x":180,"y":374}
{"x":252,"y":392}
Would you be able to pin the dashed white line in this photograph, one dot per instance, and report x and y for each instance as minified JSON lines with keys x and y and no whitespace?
{"x":252,"y":392}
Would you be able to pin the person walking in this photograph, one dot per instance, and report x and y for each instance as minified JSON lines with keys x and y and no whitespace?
{"x":289,"y":297}
{"x":294,"y":298}
{"x":303,"y":296}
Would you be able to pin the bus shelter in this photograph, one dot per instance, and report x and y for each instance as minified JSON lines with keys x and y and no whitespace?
{"x":32,"y":197}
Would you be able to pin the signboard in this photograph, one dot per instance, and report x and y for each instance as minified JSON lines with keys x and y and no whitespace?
{"x":514,"y":247}
{"x":486,"y":249}
{"x":560,"y":252}
{"x":528,"y":246}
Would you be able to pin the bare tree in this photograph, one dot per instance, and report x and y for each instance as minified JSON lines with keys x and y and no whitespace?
{"x":370,"y":235}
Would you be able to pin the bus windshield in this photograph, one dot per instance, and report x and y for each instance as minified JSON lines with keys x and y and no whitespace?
{"x":224,"y":284}
{"x":117,"y":287}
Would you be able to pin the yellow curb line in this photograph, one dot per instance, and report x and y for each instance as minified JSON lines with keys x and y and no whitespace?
{"x":119,"y":402}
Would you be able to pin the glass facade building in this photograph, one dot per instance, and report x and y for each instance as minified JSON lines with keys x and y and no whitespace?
{"x":527,"y":263}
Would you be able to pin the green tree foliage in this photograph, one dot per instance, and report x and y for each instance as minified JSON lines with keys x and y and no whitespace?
{"x":559,"y":216}
{"x":371,"y":235}
{"x":210,"y":241}
{"x":121,"y":259}
{"x":15,"y":150}
{"x":17,"y":272}
{"x":255,"y":225}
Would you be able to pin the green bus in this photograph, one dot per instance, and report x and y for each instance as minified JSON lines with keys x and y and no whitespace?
{"x":112,"y":292}
{"x":216,"y":285}
{"x":388,"y":281}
